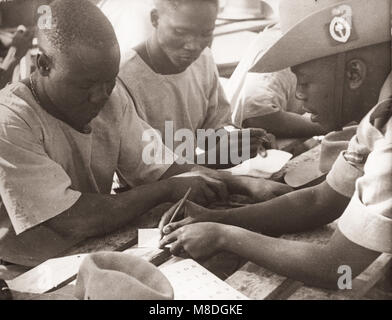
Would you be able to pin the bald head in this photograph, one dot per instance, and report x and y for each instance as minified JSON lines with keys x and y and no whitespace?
{"x":77,"y":22}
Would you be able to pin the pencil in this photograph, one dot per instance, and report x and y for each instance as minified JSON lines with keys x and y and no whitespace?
{"x":180,"y":205}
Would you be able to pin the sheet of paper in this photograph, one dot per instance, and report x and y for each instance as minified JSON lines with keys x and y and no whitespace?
{"x":260,"y":167}
{"x":191,"y":281}
{"x":149,"y":238}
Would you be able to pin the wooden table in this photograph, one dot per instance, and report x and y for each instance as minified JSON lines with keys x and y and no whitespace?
{"x":58,"y":275}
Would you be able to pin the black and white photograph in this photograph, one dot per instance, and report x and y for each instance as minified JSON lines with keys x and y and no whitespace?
{"x":195,"y":155}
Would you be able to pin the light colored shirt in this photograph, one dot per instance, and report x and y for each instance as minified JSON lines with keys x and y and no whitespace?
{"x":193,"y":99}
{"x":45,"y":166}
{"x":267,"y":93}
{"x":364,"y":172}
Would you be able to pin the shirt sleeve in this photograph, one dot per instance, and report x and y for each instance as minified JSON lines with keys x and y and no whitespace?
{"x":33,"y":187}
{"x":143,"y":157}
{"x":268,"y":93}
{"x":347,"y":168}
{"x":367,"y":221}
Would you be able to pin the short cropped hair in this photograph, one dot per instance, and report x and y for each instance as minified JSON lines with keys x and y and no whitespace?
{"x":78,"y":21}
{"x":174,"y":3}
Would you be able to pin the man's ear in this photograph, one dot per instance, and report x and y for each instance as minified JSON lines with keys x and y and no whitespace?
{"x":154,"y":15}
{"x":356,"y":72}
{"x":44,"y":64}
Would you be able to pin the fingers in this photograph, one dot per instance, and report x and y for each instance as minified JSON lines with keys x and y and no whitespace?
{"x":176,"y":225}
{"x":168,"y":239}
{"x":260,"y":141}
{"x":168,"y":215}
{"x":262,"y":151}
{"x":176,"y":248}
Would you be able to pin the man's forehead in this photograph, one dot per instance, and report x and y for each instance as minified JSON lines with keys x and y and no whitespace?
{"x":90,"y":63}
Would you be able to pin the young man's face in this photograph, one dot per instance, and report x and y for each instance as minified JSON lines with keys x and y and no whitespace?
{"x":185,"y":31}
{"x":315,"y":90}
{"x":80,"y":83}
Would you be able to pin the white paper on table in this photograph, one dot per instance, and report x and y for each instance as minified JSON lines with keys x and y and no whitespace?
{"x":149,"y":238}
{"x":260,"y":167}
{"x":191,"y":281}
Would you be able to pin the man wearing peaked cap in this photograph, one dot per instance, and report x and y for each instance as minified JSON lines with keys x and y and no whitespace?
{"x":340,"y":51}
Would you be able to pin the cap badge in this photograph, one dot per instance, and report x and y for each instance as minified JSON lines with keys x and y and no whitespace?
{"x":340,"y":27}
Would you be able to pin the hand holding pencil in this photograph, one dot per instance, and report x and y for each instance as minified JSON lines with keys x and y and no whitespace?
{"x":182,"y":213}
{"x":173,"y":212}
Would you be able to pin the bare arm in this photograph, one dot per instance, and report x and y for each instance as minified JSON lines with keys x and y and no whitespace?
{"x":98,"y":214}
{"x":285,"y":124}
{"x":310,"y":263}
{"x":297,"y":211}
{"x":313,"y":264}
{"x":293,"y":212}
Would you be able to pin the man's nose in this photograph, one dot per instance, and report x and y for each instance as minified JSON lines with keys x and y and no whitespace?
{"x":193,"y":44}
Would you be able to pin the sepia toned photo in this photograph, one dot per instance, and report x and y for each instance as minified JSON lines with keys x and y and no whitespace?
{"x":210,"y":151}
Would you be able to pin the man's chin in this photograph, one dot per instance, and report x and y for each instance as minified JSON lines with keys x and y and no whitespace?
{"x":183,"y":64}
{"x":181,"y":67}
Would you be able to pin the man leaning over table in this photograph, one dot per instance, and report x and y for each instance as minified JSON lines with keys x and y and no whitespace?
{"x":347,"y":67}
{"x":63,"y":134}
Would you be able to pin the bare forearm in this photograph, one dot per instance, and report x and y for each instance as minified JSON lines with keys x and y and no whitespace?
{"x":97,"y":214}
{"x":285,"y":124}
{"x":305,"y":262}
{"x":294,"y":212}
{"x":313,"y":264}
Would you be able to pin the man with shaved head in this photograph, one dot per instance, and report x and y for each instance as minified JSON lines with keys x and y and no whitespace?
{"x":174,"y":80}
{"x":63,"y":134}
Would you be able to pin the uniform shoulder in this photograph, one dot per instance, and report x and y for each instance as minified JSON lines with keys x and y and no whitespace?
{"x":119,"y":100}
{"x":16,"y":105}
{"x":387,"y":129}
{"x":130,"y":64}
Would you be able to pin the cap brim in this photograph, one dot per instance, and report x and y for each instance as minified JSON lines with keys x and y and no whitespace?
{"x":240,"y":16}
{"x":304,"y":175}
{"x":370,"y":23}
